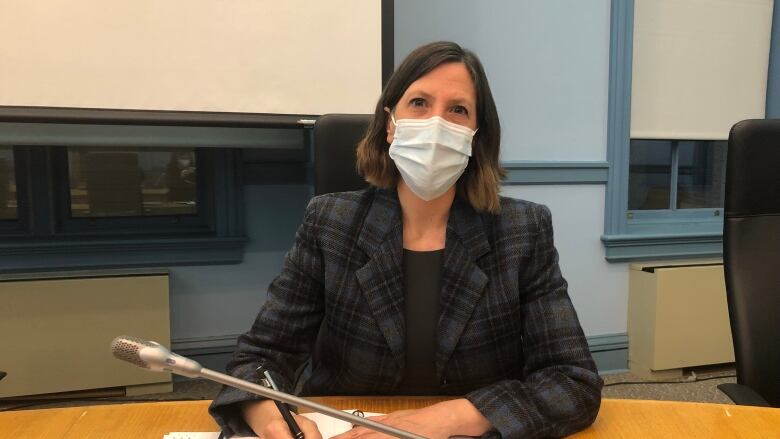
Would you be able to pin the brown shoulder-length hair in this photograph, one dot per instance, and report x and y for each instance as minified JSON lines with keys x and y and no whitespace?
{"x":480,"y":182}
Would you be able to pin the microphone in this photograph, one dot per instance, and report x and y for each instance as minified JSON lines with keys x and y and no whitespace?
{"x":153,"y":356}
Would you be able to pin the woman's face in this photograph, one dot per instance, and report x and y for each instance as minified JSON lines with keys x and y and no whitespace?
{"x":446,"y":91}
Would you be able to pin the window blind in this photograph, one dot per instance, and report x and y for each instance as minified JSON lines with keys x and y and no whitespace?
{"x":699,"y":66}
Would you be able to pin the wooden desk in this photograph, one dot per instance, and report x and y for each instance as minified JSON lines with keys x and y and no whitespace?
{"x":617,"y":419}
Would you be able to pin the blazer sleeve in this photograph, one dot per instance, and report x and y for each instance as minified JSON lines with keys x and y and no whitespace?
{"x":284,"y":331}
{"x":560,"y":392}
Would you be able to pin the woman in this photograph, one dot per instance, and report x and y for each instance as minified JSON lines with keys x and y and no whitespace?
{"x":428,"y":282}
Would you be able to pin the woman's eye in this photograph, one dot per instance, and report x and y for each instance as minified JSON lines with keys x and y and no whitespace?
{"x":460,"y":109}
{"x":417,"y":102}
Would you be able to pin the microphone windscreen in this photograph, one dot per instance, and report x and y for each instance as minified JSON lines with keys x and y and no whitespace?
{"x":126,"y":347}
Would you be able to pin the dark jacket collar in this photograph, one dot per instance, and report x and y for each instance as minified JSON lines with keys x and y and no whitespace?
{"x":384,"y":217}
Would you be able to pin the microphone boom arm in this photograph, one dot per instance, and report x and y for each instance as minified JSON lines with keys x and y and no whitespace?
{"x":153,"y":356}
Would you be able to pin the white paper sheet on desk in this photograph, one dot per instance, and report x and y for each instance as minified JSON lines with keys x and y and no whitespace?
{"x":328,"y":427}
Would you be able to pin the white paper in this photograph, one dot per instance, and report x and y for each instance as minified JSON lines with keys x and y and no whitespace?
{"x":200,"y":435}
{"x":327,"y":425}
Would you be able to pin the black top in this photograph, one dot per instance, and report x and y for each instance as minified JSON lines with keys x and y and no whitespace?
{"x":422,"y":289}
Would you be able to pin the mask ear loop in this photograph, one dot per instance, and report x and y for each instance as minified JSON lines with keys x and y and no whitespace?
{"x":392,"y":118}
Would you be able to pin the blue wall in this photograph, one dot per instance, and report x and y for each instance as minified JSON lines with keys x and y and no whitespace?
{"x":546,"y":61}
{"x":210,"y":305}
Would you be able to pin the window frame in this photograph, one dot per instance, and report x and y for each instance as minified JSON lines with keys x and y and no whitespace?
{"x":44,"y":237}
{"x":202,"y":222}
{"x":628,"y":236}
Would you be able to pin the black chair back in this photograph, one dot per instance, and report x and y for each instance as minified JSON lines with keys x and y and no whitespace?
{"x":751,"y":251}
{"x":335,"y":139}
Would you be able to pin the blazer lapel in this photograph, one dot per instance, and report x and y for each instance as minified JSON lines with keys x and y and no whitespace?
{"x":381,"y":278}
{"x":463,"y":282}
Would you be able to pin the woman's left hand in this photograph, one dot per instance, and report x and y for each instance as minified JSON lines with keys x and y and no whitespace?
{"x":439,"y":421}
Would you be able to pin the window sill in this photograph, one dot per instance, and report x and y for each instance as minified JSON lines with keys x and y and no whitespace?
{"x":625,"y":248}
{"x":146,"y":252}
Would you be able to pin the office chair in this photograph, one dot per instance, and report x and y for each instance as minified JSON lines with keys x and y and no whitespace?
{"x":335,"y":138}
{"x":751,"y":251}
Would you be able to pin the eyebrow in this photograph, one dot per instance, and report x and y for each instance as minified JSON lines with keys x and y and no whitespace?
{"x":456,"y":100}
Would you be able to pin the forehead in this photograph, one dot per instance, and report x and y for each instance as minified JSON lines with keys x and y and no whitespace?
{"x":449,"y":80}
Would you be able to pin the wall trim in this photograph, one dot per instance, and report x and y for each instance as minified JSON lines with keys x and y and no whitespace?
{"x":144,"y":252}
{"x":524,"y":172}
{"x":149,"y":135}
{"x":773,"y":76}
{"x":623,"y":248}
{"x":621,"y":52}
{"x":66,"y":115}
{"x":608,"y":342}
{"x":84,"y":274}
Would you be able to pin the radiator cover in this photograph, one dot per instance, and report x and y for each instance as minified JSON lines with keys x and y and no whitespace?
{"x":677,"y":317}
{"x":55,"y":333}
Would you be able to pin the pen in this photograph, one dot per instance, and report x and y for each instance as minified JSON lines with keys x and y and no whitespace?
{"x":266,"y":379}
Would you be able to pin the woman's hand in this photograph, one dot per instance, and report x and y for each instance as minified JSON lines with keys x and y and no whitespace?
{"x":266,"y":421}
{"x":439,"y":421}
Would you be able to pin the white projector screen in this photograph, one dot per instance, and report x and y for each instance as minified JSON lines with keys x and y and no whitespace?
{"x":255,"y":56}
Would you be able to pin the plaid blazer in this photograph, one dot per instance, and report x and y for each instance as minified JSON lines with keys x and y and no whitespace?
{"x":508,"y":337}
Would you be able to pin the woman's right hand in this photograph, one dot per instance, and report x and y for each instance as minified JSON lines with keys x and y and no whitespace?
{"x":267,"y":423}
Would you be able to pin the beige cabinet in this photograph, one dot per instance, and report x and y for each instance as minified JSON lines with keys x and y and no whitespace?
{"x":55,"y":333}
{"x":677,"y":317}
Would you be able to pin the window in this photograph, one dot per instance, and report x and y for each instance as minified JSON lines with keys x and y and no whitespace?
{"x":119,"y":182}
{"x":650,"y":175}
{"x":99,"y":207}
{"x":676,"y":174}
{"x":701,"y":174}
{"x":679,"y":79}
{"x":105,"y":191}
{"x":130,"y":188}
{"x":8,"y":203}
